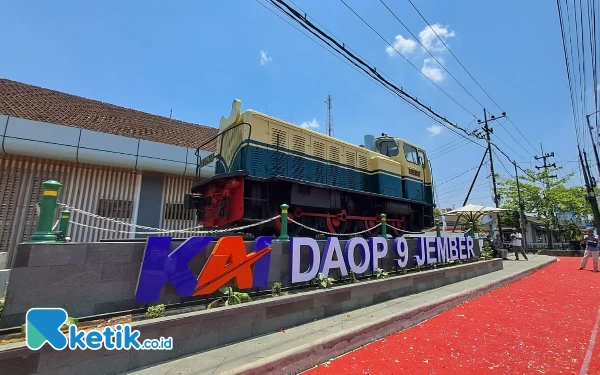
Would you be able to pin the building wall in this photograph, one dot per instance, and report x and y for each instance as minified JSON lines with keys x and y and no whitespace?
{"x":105,"y":191}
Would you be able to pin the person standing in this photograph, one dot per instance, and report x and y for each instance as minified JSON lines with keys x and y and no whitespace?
{"x":517,"y":245}
{"x":591,"y":250}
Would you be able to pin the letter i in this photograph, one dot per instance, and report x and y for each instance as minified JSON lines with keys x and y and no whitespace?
{"x":118,"y":336}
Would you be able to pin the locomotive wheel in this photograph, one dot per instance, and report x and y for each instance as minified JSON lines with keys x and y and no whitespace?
{"x":371,"y":223}
{"x":336,"y":226}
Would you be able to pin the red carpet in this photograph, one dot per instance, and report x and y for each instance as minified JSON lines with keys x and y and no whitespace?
{"x":541,"y":324}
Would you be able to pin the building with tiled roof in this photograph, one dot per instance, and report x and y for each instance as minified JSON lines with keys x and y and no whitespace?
{"x":112,"y":161}
{"x":39,"y":104}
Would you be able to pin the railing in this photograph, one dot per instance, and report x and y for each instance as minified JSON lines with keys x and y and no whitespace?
{"x":49,"y":204}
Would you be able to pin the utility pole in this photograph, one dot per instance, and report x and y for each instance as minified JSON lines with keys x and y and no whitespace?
{"x":329,"y":119}
{"x":487,"y":130}
{"x":547,"y":182}
{"x":521,"y":207}
{"x":590,"y":184}
{"x":587,"y":118}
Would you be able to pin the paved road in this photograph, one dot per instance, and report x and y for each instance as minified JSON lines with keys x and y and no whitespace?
{"x":546,"y":323}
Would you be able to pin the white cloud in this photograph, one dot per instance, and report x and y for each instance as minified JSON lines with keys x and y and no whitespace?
{"x":434,"y":130}
{"x":313,"y":124}
{"x":404,"y":46}
{"x":264,"y":58}
{"x":431,"y":41}
{"x":432,"y":70}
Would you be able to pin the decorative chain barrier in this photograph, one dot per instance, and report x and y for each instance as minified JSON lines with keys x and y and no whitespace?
{"x":188,"y":230}
{"x":328,"y":233}
{"x":46,"y":211}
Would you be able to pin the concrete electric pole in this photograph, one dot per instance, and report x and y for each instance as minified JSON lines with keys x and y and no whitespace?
{"x":487,"y":130}
{"x":547,"y":178}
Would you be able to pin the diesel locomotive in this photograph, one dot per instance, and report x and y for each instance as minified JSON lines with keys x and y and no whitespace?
{"x":262,"y":162}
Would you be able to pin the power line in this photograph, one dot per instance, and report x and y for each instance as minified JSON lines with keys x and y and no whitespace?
{"x":407,"y":60}
{"x":467,"y":71}
{"x":448,"y":179}
{"x":425,"y":48}
{"x":341,"y":49}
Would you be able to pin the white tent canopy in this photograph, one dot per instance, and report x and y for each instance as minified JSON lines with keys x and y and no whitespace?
{"x":474,"y":210}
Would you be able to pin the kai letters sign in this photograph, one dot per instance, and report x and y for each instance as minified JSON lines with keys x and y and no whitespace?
{"x":229,"y":261}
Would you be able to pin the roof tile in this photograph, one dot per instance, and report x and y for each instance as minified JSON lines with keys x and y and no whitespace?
{"x":39,"y":104}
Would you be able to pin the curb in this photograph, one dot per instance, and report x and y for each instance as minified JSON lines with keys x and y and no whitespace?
{"x":309,"y":355}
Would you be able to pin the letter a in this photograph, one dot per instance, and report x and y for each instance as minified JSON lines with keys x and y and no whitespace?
{"x":227,"y":261}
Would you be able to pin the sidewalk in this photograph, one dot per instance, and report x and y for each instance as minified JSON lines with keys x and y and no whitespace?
{"x":309,"y":344}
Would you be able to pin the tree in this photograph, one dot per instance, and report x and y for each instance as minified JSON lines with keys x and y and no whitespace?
{"x":510,"y":219}
{"x":544,"y":196}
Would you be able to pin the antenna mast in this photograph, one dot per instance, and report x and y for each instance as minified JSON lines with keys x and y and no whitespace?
{"x":329,"y":119}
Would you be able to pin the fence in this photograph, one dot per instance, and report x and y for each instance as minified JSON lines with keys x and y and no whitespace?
{"x":75,"y":217}
{"x":105,"y":191}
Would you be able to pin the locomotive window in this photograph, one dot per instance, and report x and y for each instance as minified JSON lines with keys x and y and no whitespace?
{"x":422,"y":158}
{"x":388,"y":148}
{"x":411,"y":154}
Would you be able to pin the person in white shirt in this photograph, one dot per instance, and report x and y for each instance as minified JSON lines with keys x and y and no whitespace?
{"x":517,"y":245}
{"x":591,"y":250}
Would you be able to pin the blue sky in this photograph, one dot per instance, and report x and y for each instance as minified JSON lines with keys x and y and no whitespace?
{"x":196,"y":57}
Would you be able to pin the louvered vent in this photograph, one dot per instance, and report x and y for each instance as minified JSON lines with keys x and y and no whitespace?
{"x":363,"y":177}
{"x":298,"y":143}
{"x":334,"y":170}
{"x":351,"y":175}
{"x":334,"y":154}
{"x":278,"y":157}
{"x":319,"y":149}
{"x":320,"y":174}
{"x":298,"y":163}
{"x":363,"y":162}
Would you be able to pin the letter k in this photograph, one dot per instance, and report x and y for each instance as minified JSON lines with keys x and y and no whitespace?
{"x":159,"y":267}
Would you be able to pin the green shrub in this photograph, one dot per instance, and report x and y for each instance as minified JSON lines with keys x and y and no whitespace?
{"x":231,"y":298}
{"x":155,"y":311}
{"x":486,"y":252}
{"x":322,"y":282}
{"x":276,"y":290}
{"x":381,"y":274}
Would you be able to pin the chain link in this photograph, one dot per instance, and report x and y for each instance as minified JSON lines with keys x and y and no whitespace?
{"x":327,"y":233}
{"x":183,"y":231}
{"x":402,"y":230}
{"x":110,"y":219}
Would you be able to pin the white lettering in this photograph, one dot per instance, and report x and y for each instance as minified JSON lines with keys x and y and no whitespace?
{"x":296,"y":244}
{"x":379,"y":248}
{"x":421,"y":252}
{"x":461,"y":246}
{"x":441,"y":245}
{"x":365,"y":255}
{"x":332,"y":246}
{"x":401,"y":248}
{"x":453,"y":248}
{"x":470,"y":251}
{"x":431,"y":257}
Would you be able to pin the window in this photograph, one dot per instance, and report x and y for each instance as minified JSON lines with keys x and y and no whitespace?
{"x":388,"y":148}
{"x":176,"y":211}
{"x":114,"y":208}
{"x":422,"y":158}
{"x":411,"y":154}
